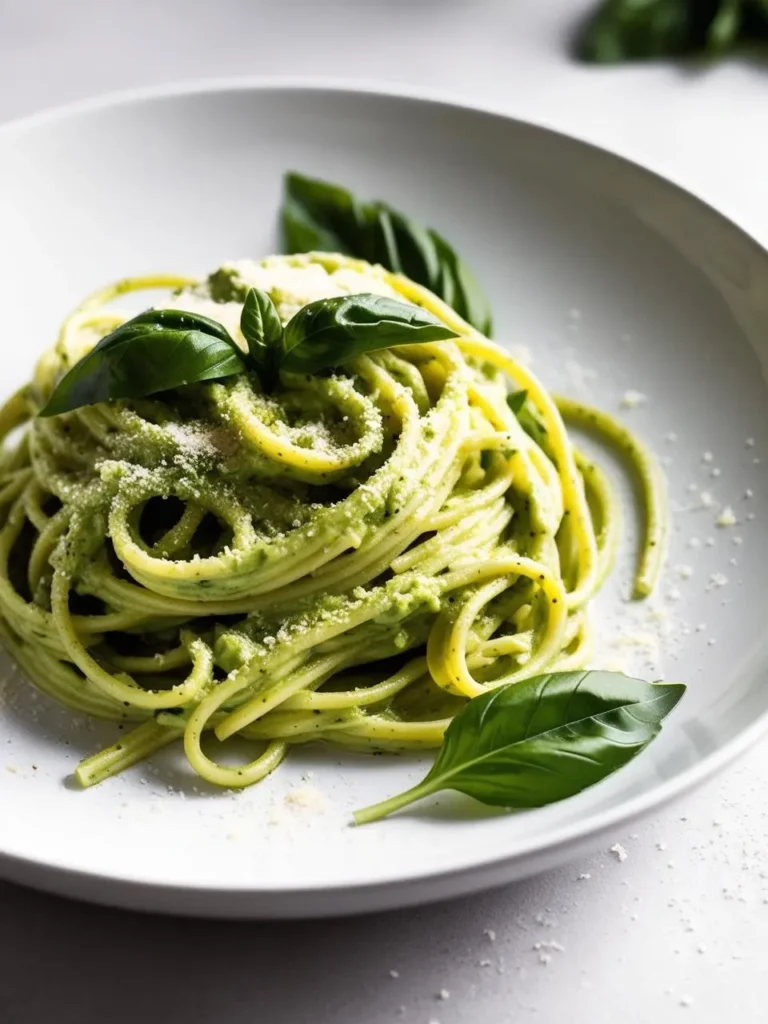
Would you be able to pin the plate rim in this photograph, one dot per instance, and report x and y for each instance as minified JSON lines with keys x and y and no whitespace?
{"x":472,"y":874}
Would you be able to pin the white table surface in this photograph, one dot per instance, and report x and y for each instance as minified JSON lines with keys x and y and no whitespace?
{"x":679,"y":929}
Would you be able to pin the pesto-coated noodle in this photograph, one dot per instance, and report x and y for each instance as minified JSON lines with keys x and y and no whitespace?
{"x":349,"y":559}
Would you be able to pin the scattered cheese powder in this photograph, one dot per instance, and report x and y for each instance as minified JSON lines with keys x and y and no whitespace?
{"x":305,"y":797}
{"x":726,"y":517}
{"x":631,"y":399}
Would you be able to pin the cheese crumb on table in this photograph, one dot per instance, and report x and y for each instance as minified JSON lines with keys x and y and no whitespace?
{"x":631,"y":399}
{"x":551,"y":944}
{"x":619,"y":852}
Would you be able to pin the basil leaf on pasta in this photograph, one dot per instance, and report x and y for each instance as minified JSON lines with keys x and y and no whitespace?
{"x":263,"y":331}
{"x":320,"y":216}
{"x":155,"y":351}
{"x":535,"y":742}
{"x":329,"y":332}
{"x":517,"y":400}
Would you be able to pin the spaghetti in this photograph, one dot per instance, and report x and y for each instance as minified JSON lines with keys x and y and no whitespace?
{"x":350,"y":559}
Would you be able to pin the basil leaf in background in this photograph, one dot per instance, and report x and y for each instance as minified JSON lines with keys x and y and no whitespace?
{"x":517,"y":400}
{"x":323,"y":217}
{"x":263,"y":330}
{"x":533,"y":743}
{"x":329,"y":332}
{"x":625,"y":30}
{"x":155,"y":351}
{"x":317,"y":216}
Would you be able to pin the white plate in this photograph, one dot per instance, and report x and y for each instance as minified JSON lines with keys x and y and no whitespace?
{"x":592,"y":263}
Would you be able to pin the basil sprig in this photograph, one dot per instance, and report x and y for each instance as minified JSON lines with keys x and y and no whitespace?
{"x":624,"y":30}
{"x":533,"y":743}
{"x":324,"y":217}
{"x":330,"y":331}
{"x":155,"y":351}
{"x":263,"y":331}
{"x":168,"y":348}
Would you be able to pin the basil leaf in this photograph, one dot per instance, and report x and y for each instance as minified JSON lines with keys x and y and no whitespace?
{"x":263,"y":330}
{"x":532,"y":743}
{"x":329,"y":332}
{"x":155,"y":351}
{"x":725,"y":27}
{"x":517,"y":400}
{"x":627,"y":30}
{"x":624,"y":30}
{"x":317,"y":216}
{"x":324,"y":217}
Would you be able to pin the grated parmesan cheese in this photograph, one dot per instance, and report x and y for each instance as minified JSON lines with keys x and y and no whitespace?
{"x":631,"y":399}
{"x":306,"y":798}
{"x":726,"y":518}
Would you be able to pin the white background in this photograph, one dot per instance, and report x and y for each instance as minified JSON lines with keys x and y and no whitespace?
{"x":678,"y":930}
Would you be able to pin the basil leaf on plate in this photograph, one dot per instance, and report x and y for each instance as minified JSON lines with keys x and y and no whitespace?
{"x":263,"y":330}
{"x":329,"y":332}
{"x":517,"y":400}
{"x":324,"y":217}
{"x":533,"y":743}
{"x":155,"y":351}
